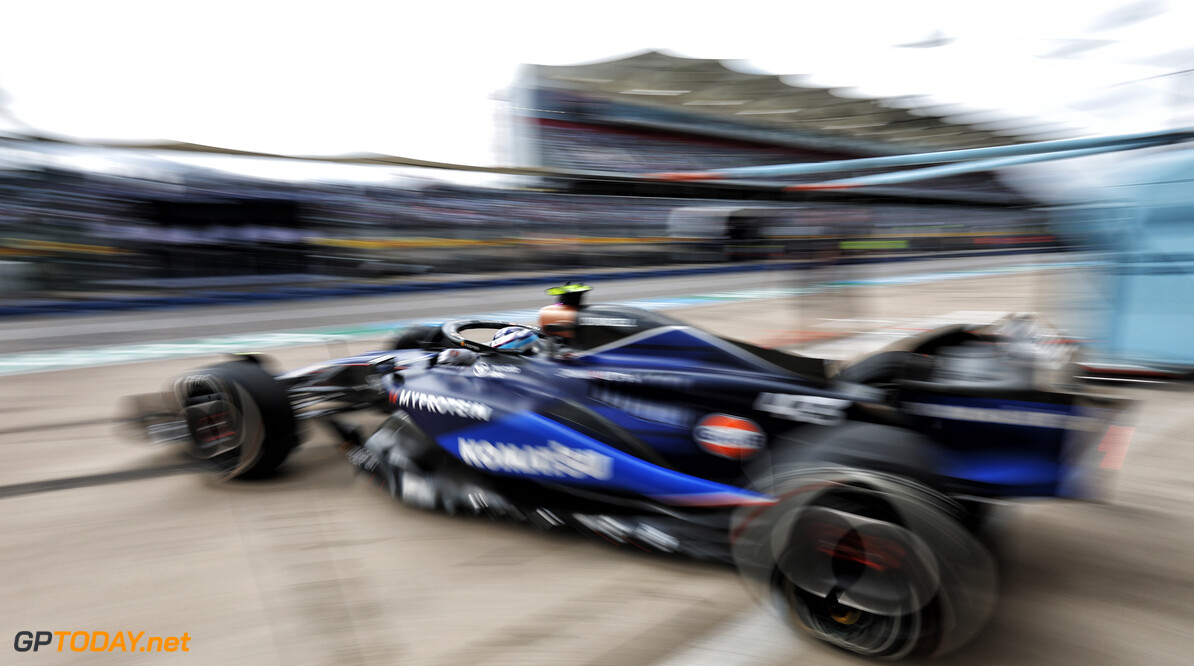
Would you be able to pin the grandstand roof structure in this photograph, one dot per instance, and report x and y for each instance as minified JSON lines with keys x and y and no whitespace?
{"x":833,"y":118}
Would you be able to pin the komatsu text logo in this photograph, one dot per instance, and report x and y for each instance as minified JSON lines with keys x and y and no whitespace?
{"x":438,"y":404}
{"x":555,"y":459}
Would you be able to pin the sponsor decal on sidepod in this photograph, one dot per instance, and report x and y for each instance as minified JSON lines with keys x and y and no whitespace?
{"x":729,"y":436}
{"x":483,"y":369}
{"x":555,"y":459}
{"x":439,"y":404}
{"x":806,"y":408}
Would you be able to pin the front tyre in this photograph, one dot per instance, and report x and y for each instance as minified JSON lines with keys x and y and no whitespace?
{"x":238,"y":417}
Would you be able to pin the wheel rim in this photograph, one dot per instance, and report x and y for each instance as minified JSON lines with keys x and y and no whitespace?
{"x":855,"y":580}
{"x":213,"y":419}
{"x":223,"y":422}
{"x":869,"y":562}
{"x":829,"y":620}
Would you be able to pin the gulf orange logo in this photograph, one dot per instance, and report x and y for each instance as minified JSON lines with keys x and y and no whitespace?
{"x":729,"y":436}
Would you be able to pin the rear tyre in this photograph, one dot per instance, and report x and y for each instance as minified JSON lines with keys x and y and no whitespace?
{"x":238,"y":417}
{"x":869,"y":563}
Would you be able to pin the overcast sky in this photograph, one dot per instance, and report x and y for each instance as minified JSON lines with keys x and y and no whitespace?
{"x":422,"y":79}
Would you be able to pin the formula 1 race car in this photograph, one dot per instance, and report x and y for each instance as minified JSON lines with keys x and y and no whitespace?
{"x":853,"y":495}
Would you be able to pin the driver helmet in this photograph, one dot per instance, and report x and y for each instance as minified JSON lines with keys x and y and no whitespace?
{"x":514,"y":339}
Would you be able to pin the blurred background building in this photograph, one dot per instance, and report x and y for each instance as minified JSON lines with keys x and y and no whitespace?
{"x":77,"y":216}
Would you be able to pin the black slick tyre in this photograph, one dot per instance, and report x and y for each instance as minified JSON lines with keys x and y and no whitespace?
{"x":238,"y":417}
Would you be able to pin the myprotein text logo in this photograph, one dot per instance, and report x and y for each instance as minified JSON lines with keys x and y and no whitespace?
{"x":439,"y":404}
{"x":98,"y":641}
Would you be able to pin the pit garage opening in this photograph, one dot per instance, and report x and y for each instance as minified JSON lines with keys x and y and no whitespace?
{"x":201,"y":238}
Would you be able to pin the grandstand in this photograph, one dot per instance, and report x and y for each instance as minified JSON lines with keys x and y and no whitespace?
{"x":654,"y":112}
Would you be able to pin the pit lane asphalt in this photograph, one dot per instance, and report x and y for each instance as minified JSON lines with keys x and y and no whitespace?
{"x":315,"y":567}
